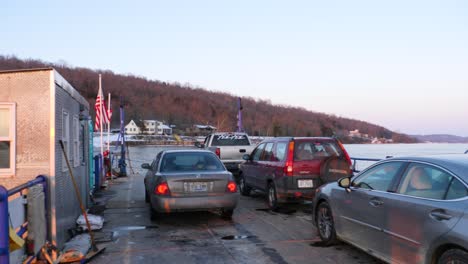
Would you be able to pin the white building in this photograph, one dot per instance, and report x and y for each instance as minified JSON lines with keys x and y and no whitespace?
{"x":132,"y":129}
{"x":151,"y":127}
{"x":355,"y":133}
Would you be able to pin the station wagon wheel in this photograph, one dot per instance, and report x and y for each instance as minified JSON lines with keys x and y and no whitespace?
{"x":453,"y":256}
{"x":244,"y":189}
{"x":272,"y":198}
{"x":325,"y":224}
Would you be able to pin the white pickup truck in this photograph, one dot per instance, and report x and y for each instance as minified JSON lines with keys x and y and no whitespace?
{"x":229,"y":147}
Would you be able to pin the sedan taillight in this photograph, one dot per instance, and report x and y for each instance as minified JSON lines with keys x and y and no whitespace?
{"x":162,"y":189}
{"x":231,"y":187}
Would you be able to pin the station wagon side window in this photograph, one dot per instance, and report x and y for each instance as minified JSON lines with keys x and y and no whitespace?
{"x":280,"y":151}
{"x":258,"y":152}
{"x":268,"y":152}
{"x":380,"y":178}
{"x":425,"y":181}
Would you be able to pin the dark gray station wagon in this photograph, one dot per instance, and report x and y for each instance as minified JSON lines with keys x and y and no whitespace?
{"x":290,"y":169}
{"x":401,"y":210}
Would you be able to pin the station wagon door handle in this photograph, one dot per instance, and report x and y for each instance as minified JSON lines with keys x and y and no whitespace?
{"x":440,"y":215}
{"x":242,"y":150}
{"x":375,"y":202}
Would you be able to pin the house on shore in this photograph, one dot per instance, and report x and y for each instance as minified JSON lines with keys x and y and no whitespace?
{"x":38,"y":107}
{"x":148,"y":127}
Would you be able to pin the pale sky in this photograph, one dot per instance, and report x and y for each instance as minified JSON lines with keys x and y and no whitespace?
{"x":399,"y":64}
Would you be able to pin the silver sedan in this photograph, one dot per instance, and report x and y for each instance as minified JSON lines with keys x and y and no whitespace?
{"x":401,"y":210}
{"x":189,"y":180}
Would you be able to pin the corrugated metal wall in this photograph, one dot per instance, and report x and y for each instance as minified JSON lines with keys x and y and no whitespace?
{"x":67,"y":206}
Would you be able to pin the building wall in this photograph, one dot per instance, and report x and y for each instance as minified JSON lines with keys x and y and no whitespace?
{"x":37,"y":93}
{"x":30,"y":91}
{"x":66,"y":202}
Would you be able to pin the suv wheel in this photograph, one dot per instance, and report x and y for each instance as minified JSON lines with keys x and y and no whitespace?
{"x":453,"y":256}
{"x":272,"y":197}
{"x":243,"y":187}
{"x":325,"y":224}
{"x":147,"y":199}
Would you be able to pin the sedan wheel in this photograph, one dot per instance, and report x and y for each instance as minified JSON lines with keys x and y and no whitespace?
{"x":153,"y":214}
{"x":227,"y":214}
{"x":272,"y":198}
{"x":325,"y":224}
{"x":454,"y":256}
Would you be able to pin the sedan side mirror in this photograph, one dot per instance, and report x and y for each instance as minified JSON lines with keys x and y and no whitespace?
{"x":344,"y":182}
{"x":146,"y":166}
{"x":246,"y":157}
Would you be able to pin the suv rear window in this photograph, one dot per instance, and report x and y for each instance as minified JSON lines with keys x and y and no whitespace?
{"x":230,"y":140}
{"x":309,"y":150}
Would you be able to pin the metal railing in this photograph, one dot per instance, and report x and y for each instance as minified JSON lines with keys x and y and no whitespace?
{"x":354,"y":160}
{"x":98,"y":167}
{"x":4,"y":214}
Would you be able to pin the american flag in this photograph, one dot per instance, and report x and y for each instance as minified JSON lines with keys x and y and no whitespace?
{"x":99,"y":107}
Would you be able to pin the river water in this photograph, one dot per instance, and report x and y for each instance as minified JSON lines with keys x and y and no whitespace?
{"x":145,"y":154}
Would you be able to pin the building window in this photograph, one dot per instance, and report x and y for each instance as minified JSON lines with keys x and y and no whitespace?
{"x":7,"y":139}
{"x":65,"y":137}
{"x":76,"y":141}
{"x":82,"y":144}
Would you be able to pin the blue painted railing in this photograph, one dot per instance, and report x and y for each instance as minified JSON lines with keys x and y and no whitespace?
{"x":4,"y":229}
{"x":98,"y":162}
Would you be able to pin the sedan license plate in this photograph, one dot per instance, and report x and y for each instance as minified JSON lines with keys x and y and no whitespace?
{"x":305,"y":183}
{"x":199,"y":187}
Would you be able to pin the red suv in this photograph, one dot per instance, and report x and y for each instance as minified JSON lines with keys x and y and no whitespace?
{"x":290,"y":169}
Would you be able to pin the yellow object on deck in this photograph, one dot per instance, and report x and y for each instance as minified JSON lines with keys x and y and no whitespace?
{"x":177,"y":137}
{"x":16,"y":242}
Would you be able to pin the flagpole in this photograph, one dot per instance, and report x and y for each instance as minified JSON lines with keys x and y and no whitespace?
{"x":101,"y":115}
{"x":108,"y":125}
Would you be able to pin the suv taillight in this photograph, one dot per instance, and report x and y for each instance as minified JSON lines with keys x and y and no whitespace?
{"x":162,"y":189}
{"x":347,"y":158}
{"x":231,"y":187}
{"x":288,"y":168}
{"x":218,"y":152}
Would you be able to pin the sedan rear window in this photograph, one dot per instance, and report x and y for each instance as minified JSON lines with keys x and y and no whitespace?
{"x":190,"y":161}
